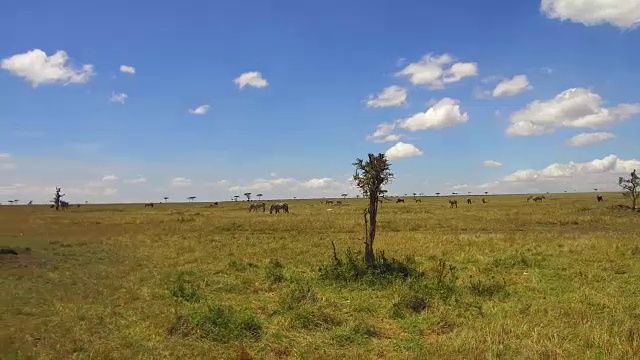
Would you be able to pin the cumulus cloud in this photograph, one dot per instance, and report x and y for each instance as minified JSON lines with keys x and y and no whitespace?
{"x":119,"y":98}
{"x":38,"y":68}
{"x":263,"y":184}
{"x":253,"y":78}
{"x":384,"y":133}
{"x":584,"y":139}
{"x":624,"y":14}
{"x":436,"y":71}
{"x":390,"y":96}
{"x":138,"y":180}
{"x":444,"y":113}
{"x":180,"y":182}
{"x":109,"y":178}
{"x":492,"y":163}
{"x":402,"y":151}
{"x":127,"y":69}
{"x":573,"y":108}
{"x":511,"y":87}
{"x":200,"y":110}
{"x":321,"y":183}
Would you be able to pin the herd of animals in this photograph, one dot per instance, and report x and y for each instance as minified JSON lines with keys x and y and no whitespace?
{"x":277,"y":207}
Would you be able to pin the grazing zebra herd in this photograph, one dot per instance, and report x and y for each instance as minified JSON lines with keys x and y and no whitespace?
{"x":277,"y":207}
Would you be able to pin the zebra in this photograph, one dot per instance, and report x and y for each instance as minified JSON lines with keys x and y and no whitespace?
{"x":64,"y":204}
{"x":399,"y":200}
{"x":453,"y":202}
{"x":256,"y":207}
{"x":600,"y":198}
{"x":148,"y":204}
{"x":328,"y":202}
{"x":279,"y":206}
{"x":338,"y":202}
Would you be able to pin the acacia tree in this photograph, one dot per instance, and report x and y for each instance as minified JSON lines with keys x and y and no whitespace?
{"x":344,"y":196}
{"x":259,"y":196}
{"x":248,"y":195}
{"x":191,"y":198}
{"x":235,"y":197}
{"x":166,"y":198}
{"x":57,"y":197}
{"x":370,"y":177}
{"x":486,"y":192}
{"x":630,"y":187}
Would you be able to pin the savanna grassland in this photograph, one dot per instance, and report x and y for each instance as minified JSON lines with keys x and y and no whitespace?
{"x":507,"y":279}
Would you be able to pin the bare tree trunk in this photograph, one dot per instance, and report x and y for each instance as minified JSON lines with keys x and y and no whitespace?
{"x":369,"y":254}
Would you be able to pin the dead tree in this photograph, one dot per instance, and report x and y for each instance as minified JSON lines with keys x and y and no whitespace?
{"x":370,"y":177}
{"x":57,"y":198}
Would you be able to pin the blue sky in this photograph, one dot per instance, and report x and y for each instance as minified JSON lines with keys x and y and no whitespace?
{"x":296,"y":126}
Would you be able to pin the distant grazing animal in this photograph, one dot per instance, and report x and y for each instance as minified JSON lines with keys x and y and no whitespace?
{"x":255,"y":207}
{"x":453,"y":202}
{"x":52,"y":206}
{"x":418,"y":201}
{"x":148,"y":205}
{"x":600,"y":198}
{"x":64,"y":204}
{"x":484,"y":201}
{"x":279,"y":206}
{"x":399,"y":201}
{"x":538,"y":198}
{"x":329,"y":202}
{"x":469,"y":201}
{"x":338,"y":202}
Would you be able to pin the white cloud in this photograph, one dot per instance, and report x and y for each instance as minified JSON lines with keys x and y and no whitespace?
{"x":109,"y":178}
{"x":110,"y":191}
{"x":180,"y":182}
{"x":492,"y":163}
{"x":200,"y":110}
{"x":624,"y":14}
{"x":264,"y":184}
{"x":585,"y":139}
{"x":437,"y":71}
{"x":5,"y":156}
{"x":253,"y":78}
{"x":573,"y":108}
{"x":444,"y":113}
{"x":119,"y":98}
{"x":608,"y":165}
{"x":384,"y":133}
{"x":127,"y":69}
{"x":138,"y":180}
{"x":321,"y":183}
{"x":511,"y":87}
{"x":39,"y":68}
{"x":402,"y":151}
{"x":390,"y":96}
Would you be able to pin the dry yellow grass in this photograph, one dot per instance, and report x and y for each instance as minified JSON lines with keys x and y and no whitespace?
{"x":100,"y":281}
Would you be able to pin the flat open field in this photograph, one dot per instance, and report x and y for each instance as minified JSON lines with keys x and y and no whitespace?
{"x":507,"y":279}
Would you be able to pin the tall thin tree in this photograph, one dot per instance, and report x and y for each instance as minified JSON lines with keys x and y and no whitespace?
{"x":370,"y":176}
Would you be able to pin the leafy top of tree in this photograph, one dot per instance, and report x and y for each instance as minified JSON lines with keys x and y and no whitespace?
{"x":373,"y":174}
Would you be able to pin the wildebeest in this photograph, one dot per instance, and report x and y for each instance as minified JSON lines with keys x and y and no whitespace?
{"x":279,"y":206}
{"x":328,"y":202}
{"x":338,"y":202}
{"x":468,"y":201}
{"x":399,"y":201}
{"x":418,"y":201}
{"x":148,"y":204}
{"x":600,"y":198}
{"x":256,"y":207}
{"x":453,"y":202}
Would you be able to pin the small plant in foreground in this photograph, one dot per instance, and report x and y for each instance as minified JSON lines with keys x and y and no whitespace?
{"x":185,"y":287}
{"x":354,"y":269}
{"x":487,"y":288}
{"x":275,"y":271}
{"x":217,"y":323}
{"x":409,"y":303}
